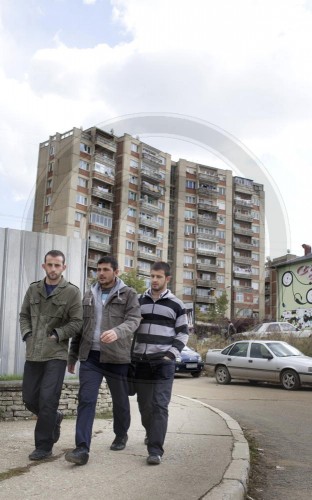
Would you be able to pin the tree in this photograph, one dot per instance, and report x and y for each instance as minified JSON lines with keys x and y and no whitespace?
{"x":214,"y":315}
{"x":131,"y":278}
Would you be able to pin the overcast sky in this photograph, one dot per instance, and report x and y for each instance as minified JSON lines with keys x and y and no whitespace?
{"x":244,"y":66}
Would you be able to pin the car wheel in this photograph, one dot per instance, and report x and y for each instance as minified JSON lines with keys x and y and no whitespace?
{"x":290,"y":380}
{"x":195,"y":374}
{"x":222,"y":375}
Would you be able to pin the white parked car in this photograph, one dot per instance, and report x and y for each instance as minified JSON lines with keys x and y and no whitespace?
{"x":260,"y":361}
{"x":277,"y":327}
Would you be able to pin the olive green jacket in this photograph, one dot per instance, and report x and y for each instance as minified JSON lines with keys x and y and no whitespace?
{"x":41,"y":314}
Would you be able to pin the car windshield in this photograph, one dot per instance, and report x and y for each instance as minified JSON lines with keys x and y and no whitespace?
{"x":256,"y":328}
{"x":287,"y":327}
{"x":283,"y":350}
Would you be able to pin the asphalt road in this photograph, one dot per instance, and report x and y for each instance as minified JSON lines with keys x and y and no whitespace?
{"x":279,"y":421}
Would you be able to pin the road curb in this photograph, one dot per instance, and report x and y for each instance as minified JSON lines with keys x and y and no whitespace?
{"x":233,"y":485}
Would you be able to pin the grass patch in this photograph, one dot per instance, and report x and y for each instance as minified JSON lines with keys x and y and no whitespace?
{"x":257,"y":476}
{"x":5,"y":378}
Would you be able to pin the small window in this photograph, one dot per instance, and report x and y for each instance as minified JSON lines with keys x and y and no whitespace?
{"x":84,"y":148}
{"x":134,"y":147}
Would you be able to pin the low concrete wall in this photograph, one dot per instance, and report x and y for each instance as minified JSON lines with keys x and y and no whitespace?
{"x":13,"y":408}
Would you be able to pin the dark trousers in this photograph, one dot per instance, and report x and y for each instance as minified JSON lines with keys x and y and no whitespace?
{"x":91,"y":374}
{"x":42,"y":386}
{"x":154,"y":379}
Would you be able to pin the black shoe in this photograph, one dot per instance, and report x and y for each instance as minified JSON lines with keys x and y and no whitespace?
{"x":146,"y":440}
{"x":153,"y":460}
{"x":78,"y":456}
{"x":57,"y":428}
{"x":119,"y":443}
{"x":39,"y":454}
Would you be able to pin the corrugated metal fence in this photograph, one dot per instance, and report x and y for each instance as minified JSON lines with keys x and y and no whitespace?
{"x":21,"y":256}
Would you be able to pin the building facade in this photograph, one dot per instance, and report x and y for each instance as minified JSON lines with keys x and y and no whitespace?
{"x":130,"y":199}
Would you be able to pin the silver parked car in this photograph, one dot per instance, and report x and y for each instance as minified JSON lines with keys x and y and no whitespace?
{"x":273,"y":328}
{"x":260,"y":361}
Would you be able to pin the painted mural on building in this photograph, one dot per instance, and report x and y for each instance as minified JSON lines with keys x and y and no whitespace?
{"x":295,"y":298}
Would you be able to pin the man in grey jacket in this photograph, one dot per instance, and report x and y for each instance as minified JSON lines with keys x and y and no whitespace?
{"x":111,"y":314}
{"x":51,"y":313}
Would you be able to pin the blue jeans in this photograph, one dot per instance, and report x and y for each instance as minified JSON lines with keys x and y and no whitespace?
{"x":91,"y":375}
{"x":42,"y":387}
{"x":154,"y":379}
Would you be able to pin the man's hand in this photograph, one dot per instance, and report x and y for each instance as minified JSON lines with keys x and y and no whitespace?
{"x":71,"y":368}
{"x":108,"y":337}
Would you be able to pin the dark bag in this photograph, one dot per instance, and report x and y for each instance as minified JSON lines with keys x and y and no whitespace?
{"x":131,"y":380}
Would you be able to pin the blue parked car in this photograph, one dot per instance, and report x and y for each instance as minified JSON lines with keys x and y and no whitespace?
{"x":189,"y":361}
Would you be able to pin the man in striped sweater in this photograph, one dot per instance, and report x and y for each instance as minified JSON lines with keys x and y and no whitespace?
{"x":161,"y":336}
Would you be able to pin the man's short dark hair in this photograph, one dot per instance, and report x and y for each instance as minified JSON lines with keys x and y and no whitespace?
{"x":109,"y":259}
{"x":162,"y":266}
{"x":55,"y":253}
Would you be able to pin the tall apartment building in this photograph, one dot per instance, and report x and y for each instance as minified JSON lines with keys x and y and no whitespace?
{"x":130,"y":199}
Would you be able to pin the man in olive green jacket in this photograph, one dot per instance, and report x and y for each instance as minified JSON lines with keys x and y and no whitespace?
{"x":51,"y":313}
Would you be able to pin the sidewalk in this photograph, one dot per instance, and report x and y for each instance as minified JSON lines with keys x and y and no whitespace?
{"x":206,"y":456}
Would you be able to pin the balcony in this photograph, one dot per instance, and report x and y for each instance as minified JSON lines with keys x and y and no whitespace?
{"x":101,"y":158}
{"x":149,"y":173}
{"x":149,"y":207}
{"x":204,"y":251}
{"x":143,"y":271}
{"x":147,"y":255}
{"x":209,"y":283}
{"x":151,"y":158}
{"x":242,"y":260}
{"x":244,"y":246}
{"x":95,"y":245}
{"x":147,"y":239}
{"x":207,"y":192}
{"x":240,"y":273}
{"x":206,"y":221}
{"x":149,"y":222}
{"x":207,"y":237}
{"x":208,"y":207}
{"x":100,"y":210}
{"x":243,"y":230}
{"x":208,"y":177}
{"x":151,"y":190}
{"x":106,"y":143}
{"x":245,"y":289}
{"x":242,"y":202}
{"x":205,"y":299}
{"x":243,"y":217}
{"x":207,"y":267}
{"x":240,"y":188}
{"x":102,"y":193}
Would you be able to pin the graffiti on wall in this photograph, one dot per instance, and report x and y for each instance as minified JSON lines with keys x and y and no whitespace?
{"x":295,"y":302}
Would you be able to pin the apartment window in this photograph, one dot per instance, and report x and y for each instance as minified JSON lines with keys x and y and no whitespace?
{"x":46,"y":218}
{"x":161,"y":205}
{"x":190,"y":184}
{"x":256,"y":201}
{"x":132,"y":196}
{"x":49,"y":183}
{"x":188,"y":259}
{"x":190,"y":199}
{"x":128,"y":262}
{"x":220,"y":278}
{"x":134,"y":147}
{"x":79,"y":216}
{"x":129,"y":245}
{"x":187,"y":290}
{"x":221,"y":248}
{"x":82,"y":200}
{"x":52,"y":150}
{"x":99,"y":238}
{"x":134,"y":163}
{"x":160,"y":221}
{"x":189,"y":214}
{"x":255,"y":299}
{"x":84,"y":165}
{"x":188,"y":229}
{"x":188,"y":275}
{"x":84,"y":148}
{"x":221,"y":190}
{"x":101,"y":220}
{"x":255,"y":256}
{"x":255,"y":285}
{"x":255,"y":242}
{"x":239,"y":297}
{"x":255,"y":270}
{"x":221,"y":219}
{"x":132,"y":212}
{"x":50,"y":167}
{"x":133,"y":179}
{"x":189,"y":244}
{"x":255,"y":214}
{"x":48,"y":200}
{"x":130,"y":229}
{"x":221,"y":263}
{"x":221,"y":204}
{"x":221,"y":234}
{"x":103,"y":169}
{"x":82,"y":182}
{"x":255,"y":228}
